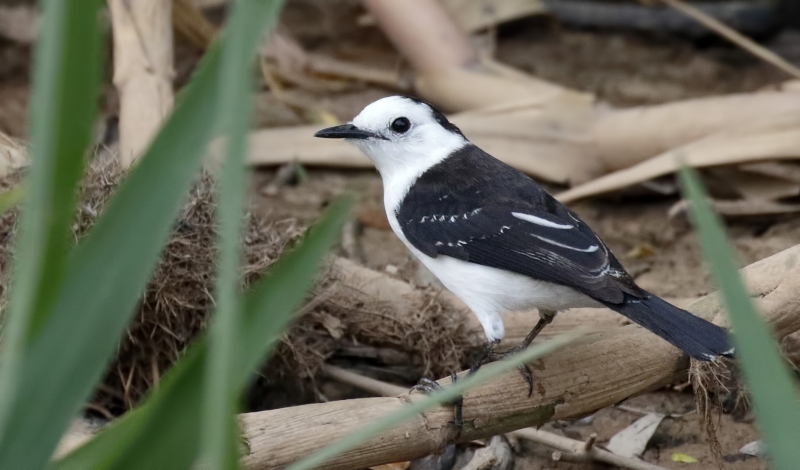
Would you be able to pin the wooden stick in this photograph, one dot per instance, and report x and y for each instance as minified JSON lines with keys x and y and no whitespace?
{"x":598,"y":371}
{"x":580,"y":451}
{"x":734,"y":36}
{"x":142,"y":70}
{"x":368,"y":384}
{"x":424,"y":33}
{"x":575,"y":449}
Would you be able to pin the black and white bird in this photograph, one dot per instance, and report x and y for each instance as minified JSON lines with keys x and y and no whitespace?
{"x":494,"y":237}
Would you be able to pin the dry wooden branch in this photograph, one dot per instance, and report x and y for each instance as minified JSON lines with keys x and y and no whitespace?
{"x":626,"y":137}
{"x":424,"y":33}
{"x":473,"y":16}
{"x":734,"y":36}
{"x":142,"y":70}
{"x":576,"y":450}
{"x":450,"y":73}
{"x":776,"y":138}
{"x":368,"y":384}
{"x":598,"y":371}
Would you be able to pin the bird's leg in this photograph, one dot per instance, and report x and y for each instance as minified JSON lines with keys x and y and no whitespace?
{"x":488,"y":355}
{"x":545,"y":317}
{"x":428,"y":386}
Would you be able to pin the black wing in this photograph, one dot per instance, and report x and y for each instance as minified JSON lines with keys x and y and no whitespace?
{"x":475,"y":208}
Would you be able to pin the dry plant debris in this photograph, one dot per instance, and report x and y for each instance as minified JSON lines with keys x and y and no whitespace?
{"x":339,"y":320}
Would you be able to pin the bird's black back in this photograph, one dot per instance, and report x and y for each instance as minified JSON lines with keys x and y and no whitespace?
{"x":462,"y":207}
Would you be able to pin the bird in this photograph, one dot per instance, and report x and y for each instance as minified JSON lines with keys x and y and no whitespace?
{"x":495,"y":238}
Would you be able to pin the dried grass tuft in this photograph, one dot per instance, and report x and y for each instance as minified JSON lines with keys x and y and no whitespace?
{"x":177,"y":300}
{"x":717,"y":389}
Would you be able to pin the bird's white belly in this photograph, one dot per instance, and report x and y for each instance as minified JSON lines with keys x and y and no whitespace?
{"x":492,"y":289}
{"x":489,"y":292}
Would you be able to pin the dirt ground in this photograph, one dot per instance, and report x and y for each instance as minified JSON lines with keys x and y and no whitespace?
{"x":660,"y":252}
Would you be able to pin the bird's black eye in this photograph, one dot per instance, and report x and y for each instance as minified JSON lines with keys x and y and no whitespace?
{"x":401,"y":125}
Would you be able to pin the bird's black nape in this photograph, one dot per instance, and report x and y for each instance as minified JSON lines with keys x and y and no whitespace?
{"x":438,"y":116}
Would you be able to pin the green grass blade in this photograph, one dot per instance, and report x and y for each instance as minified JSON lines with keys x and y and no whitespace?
{"x":63,"y":108}
{"x":220,"y":431}
{"x":774,"y":399}
{"x":170,"y":435}
{"x":104,"y":278}
{"x":447,"y":394}
{"x":11,"y":198}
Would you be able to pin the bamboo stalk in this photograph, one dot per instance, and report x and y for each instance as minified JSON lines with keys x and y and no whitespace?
{"x":598,"y":371}
{"x":142,"y":70}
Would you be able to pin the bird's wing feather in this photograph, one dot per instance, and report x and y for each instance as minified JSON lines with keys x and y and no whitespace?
{"x":550,"y":245}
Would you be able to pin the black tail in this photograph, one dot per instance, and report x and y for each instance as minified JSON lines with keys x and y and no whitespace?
{"x":694,"y":336}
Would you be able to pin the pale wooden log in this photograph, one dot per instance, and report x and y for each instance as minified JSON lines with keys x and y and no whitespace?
{"x":449,"y":71}
{"x":143,"y":70}
{"x":590,"y":374}
{"x":472,"y":15}
{"x":575,"y":450}
{"x":625,"y":137}
{"x":424,"y":33}
{"x":776,"y":137}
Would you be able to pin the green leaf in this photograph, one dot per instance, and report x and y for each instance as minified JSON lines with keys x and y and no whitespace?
{"x":166,"y":426}
{"x":445,"y":395}
{"x":63,"y":108}
{"x":220,"y":432}
{"x":775,"y":401}
{"x":104,"y":278}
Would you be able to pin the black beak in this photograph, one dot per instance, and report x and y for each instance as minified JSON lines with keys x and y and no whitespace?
{"x":345,"y":131}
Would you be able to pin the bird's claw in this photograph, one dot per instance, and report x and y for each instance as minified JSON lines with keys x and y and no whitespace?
{"x":490,"y":356}
{"x":527,"y":374}
{"x":428,"y":386}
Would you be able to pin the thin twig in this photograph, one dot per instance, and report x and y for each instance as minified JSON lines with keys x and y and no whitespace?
{"x":573,"y":449}
{"x":569,"y":447}
{"x":734,"y":36}
{"x":374,"y":386}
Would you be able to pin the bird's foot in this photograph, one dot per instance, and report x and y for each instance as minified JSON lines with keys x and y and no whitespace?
{"x":428,"y":386}
{"x":488,"y":355}
{"x":524,"y":369}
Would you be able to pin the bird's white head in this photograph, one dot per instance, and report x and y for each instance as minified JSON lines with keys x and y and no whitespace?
{"x":402,"y":136}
